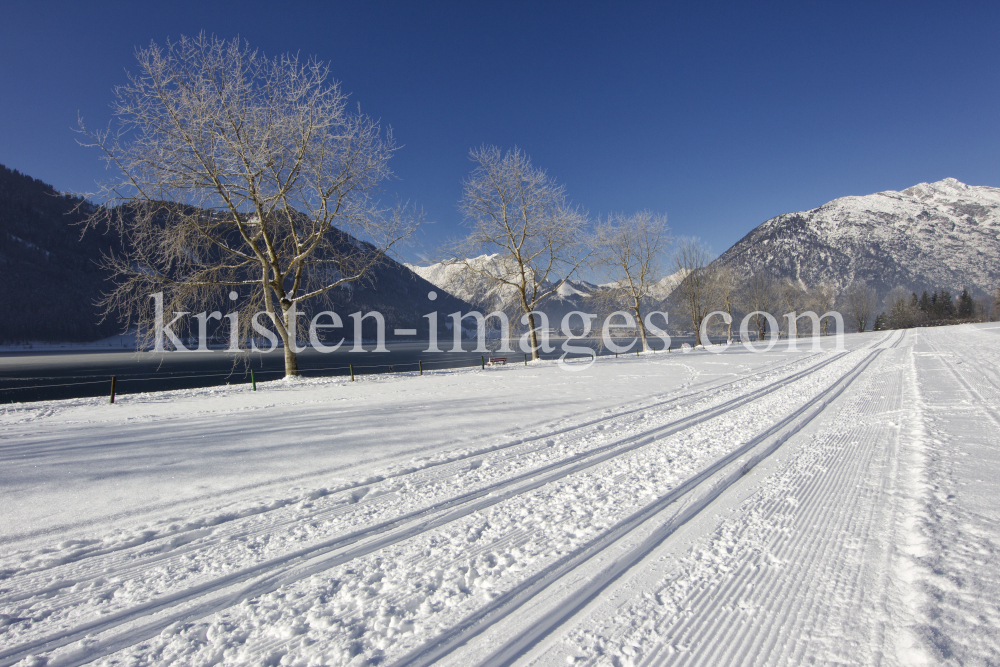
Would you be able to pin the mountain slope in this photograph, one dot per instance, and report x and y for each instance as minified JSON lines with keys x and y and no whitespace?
{"x":52,"y":279}
{"x":932,"y":235}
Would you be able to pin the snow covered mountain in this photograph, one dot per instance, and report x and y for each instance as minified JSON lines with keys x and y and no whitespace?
{"x":455,"y":279}
{"x":932,"y":235}
{"x":571,"y":295}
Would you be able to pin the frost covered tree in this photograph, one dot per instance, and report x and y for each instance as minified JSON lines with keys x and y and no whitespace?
{"x":517,"y":213}
{"x":760,"y":294}
{"x":697,"y":291}
{"x":900,"y":312}
{"x":822,"y":299}
{"x":793,"y":299}
{"x":237,"y":172}
{"x":726,"y":294}
{"x":628,"y":251}
{"x":861,"y":301}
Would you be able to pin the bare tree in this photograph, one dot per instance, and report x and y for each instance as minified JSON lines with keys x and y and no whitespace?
{"x":793,"y":299}
{"x":239,"y":172}
{"x":897,"y":304}
{"x":696,"y":290}
{"x":861,"y":302}
{"x":725,"y":291}
{"x":629,"y":252}
{"x":983,"y":308}
{"x":822,"y":299}
{"x":521,"y":216}
{"x":760,"y":296}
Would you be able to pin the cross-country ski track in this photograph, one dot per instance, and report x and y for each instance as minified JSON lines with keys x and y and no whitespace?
{"x":777,"y":508}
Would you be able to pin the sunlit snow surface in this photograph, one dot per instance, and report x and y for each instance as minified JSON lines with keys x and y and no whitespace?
{"x":522,"y":514}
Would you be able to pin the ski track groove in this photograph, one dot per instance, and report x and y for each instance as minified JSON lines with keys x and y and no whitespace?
{"x":735,"y":639}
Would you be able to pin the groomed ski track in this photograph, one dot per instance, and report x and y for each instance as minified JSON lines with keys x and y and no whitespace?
{"x":597,"y":542}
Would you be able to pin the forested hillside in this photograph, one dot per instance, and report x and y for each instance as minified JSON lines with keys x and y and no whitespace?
{"x":51,"y":278}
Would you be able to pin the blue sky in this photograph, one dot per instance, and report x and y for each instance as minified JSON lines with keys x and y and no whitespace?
{"x":720,"y":115}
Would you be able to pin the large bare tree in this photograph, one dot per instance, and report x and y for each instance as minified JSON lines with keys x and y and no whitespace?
{"x":518,"y":214}
{"x":697,"y":290}
{"x":241,"y":175}
{"x":726,"y":293}
{"x":822,"y":298}
{"x":761,"y":295}
{"x":629,"y":252}
{"x":861,"y":303}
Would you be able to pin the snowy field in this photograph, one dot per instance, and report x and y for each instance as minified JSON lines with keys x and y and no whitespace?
{"x":783,"y":508}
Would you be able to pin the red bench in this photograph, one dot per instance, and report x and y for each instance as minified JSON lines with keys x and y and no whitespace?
{"x":497,"y":361}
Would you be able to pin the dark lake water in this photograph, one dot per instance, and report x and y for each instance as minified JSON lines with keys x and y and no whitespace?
{"x":35,"y":376}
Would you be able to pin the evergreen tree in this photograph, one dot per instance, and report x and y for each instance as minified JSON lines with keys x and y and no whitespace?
{"x":946,"y":307}
{"x":880,"y":323}
{"x":966,"y":307}
{"x":925,"y":303}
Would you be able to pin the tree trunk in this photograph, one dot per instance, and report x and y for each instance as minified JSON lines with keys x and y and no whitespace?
{"x":291,"y":362}
{"x":533,"y":337}
{"x":642,"y":328}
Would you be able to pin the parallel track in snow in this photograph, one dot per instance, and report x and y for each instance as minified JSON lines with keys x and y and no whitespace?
{"x":703,"y":486}
{"x":141,"y":622}
{"x":162,"y":551}
{"x":784,"y":582}
{"x":442,"y":468}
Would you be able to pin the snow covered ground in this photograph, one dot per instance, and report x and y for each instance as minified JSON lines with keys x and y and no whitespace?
{"x":730,"y":509}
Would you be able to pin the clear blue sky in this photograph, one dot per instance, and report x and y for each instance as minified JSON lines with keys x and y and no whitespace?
{"x":721,"y":115}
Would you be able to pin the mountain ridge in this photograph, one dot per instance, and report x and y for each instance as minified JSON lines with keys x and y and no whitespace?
{"x":944,"y":234}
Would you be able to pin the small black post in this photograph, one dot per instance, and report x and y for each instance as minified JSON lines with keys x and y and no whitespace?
{"x":637,"y":350}
{"x":525,"y":360}
{"x":253,"y":380}
{"x":351,"y":366}
{"x":113,"y":388}
{"x":482,"y":360}
{"x":420,"y":365}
